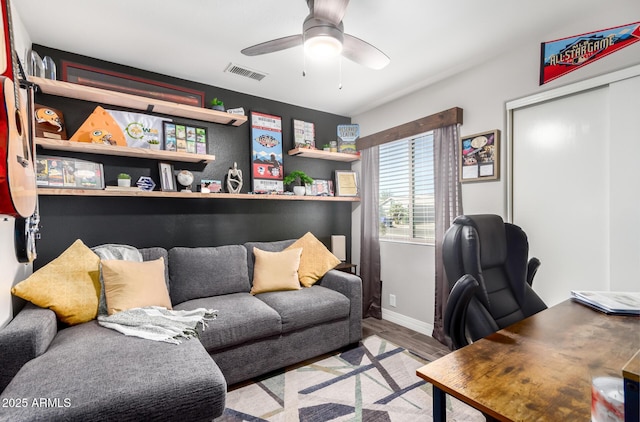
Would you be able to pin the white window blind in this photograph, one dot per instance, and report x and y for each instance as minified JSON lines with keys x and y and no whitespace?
{"x":406,"y":190}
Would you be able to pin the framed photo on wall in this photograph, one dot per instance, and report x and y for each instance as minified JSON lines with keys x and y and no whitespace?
{"x":167,"y":177}
{"x":479,"y":156}
{"x":346,"y":183}
{"x":267,"y":169}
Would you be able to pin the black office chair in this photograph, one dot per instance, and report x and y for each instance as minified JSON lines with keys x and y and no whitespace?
{"x":490,"y":277}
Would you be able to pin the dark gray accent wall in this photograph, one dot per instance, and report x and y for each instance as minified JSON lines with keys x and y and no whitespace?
{"x":167,"y":222}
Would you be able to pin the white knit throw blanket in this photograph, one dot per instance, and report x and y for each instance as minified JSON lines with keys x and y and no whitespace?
{"x":158,"y":323}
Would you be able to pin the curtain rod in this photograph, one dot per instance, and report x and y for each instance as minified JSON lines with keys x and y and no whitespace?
{"x":442,"y":119}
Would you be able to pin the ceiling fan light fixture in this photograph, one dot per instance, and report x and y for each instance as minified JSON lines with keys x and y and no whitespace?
{"x":322,"y":47}
{"x":322,"y":40}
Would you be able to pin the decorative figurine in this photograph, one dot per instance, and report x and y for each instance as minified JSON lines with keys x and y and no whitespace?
{"x":234,"y":179}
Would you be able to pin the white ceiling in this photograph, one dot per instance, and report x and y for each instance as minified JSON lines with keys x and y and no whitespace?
{"x":196,"y":39}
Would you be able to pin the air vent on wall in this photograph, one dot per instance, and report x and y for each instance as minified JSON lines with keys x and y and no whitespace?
{"x":245,"y":71}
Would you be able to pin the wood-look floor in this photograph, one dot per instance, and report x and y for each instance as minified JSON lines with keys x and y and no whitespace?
{"x":419,"y":344}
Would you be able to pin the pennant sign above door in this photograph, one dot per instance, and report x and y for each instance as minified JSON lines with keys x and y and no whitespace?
{"x":565,"y":55}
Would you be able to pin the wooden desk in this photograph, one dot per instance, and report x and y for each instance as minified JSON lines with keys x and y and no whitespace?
{"x":539,"y":368}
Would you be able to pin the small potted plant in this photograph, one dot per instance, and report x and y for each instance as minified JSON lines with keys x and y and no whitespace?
{"x":124,"y":180}
{"x":154,"y":144}
{"x":298,"y":179}
{"x":217,"y":104}
{"x":326,"y":147}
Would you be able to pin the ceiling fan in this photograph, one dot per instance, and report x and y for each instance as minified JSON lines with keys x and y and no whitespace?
{"x":323,"y":35}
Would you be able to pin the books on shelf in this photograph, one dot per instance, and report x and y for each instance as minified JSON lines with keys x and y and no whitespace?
{"x":615,"y":303}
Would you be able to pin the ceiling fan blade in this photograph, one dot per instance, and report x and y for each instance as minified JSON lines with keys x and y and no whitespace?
{"x":363,"y":53}
{"x":329,"y":10}
{"x":273,"y":45}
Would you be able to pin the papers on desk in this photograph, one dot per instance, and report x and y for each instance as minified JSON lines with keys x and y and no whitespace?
{"x":615,"y":303}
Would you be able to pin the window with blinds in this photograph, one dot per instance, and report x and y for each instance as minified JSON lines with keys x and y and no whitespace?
{"x":407,"y":212}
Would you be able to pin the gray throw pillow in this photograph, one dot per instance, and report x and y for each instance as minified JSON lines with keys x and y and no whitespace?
{"x":207,"y":271}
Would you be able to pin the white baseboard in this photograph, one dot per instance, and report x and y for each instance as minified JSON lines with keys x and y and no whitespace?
{"x":407,"y":322}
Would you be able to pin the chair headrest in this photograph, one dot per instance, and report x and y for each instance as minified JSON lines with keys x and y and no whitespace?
{"x":491,"y":232}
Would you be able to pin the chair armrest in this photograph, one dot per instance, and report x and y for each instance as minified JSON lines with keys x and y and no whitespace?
{"x":455,"y":315}
{"x":26,"y":337}
{"x":349,"y":285}
{"x":532,"y":268}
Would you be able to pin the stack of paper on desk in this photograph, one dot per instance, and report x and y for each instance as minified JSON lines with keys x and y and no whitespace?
{"x":617,"y":303}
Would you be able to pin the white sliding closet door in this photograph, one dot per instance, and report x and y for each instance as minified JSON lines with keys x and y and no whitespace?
{"x":575,"y":191}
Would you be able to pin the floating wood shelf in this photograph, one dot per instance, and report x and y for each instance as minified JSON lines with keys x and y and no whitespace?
{"x":54,"y":144}
{"x":324,"y":155}
{"x":103,"y":96}
{"x":191,"y":195}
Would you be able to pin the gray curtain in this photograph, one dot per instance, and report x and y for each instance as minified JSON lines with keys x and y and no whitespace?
{"x":369,"y":239}
{"x":448,"y":204}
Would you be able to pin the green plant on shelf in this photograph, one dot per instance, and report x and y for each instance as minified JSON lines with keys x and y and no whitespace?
{"x":124,"y":176}
{"x":217,"y":104}
{"x":297,"y":177}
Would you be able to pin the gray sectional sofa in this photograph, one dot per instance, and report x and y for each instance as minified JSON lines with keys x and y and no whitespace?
{"x":88,"y":372}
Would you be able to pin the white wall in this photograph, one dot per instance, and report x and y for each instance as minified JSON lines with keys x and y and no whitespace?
{"x":482,"y":94}
{"x":11,"y":271}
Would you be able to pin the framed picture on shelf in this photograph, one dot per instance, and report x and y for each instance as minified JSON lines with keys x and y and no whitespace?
{"x":346,"y":183}
{"x":304,"y":134}
{"x":68,"y":173}
{"x":167,"y":177}
{"x":320,"y":188}
{"x":479,"y":156}
{"x":210,"y":186}
{"x":347,"y":137}
{"x":128,"y":84}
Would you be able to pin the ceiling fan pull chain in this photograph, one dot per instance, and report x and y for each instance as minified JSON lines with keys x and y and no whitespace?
{"x":340,"y":70}
{"x":304,"y":64}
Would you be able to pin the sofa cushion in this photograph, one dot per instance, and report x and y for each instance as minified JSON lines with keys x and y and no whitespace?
{"x":150,"y":254}
{"x":276,"y":246}
{"x":275,"y":271}
{"x":113,"y":251}
{"x":303,"y":308}
{"x":315,"y":261}
{"x":205,"y":272}
{"x":69,"y":285}
{"x":241,"y":318}
{"x":94,"y":373}
{"x":130,"y":284}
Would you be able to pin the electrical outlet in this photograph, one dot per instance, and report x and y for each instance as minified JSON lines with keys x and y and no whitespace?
{"x":392,"y":300}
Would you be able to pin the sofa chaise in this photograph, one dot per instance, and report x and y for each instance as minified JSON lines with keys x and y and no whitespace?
{"x":50,"y":371}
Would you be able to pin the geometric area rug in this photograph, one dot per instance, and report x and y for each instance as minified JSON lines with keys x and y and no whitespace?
{"x":374,"y":382}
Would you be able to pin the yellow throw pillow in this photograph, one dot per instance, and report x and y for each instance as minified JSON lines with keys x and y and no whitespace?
{"x":130,"y":284}
{"x":69,"y":285}
{"x":315,"y":261}
{"x":274,"y":271}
